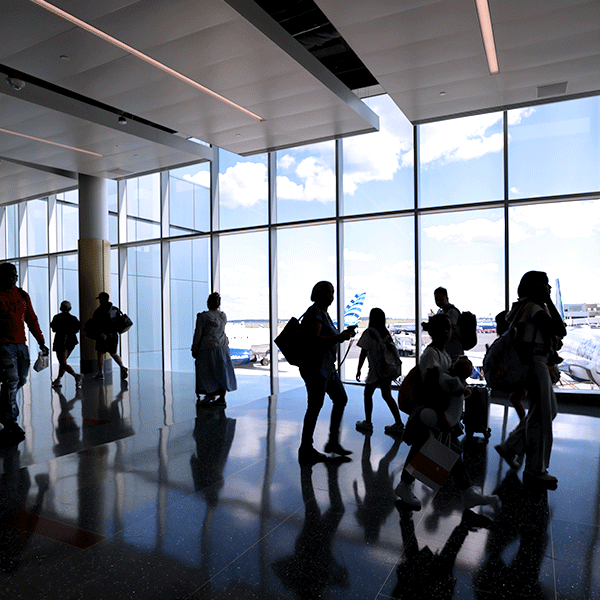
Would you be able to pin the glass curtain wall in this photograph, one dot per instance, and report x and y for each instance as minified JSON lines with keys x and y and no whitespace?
{"x":498,"y":195}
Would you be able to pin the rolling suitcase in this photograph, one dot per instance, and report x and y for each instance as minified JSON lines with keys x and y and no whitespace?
{"x":476,"y":417}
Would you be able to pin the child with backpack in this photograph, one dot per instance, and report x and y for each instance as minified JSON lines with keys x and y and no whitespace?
{"x":377,"y":345}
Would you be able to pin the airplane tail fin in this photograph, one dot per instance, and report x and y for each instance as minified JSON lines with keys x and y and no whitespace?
{"x":353,"y":310}
{"x":559,"y":302}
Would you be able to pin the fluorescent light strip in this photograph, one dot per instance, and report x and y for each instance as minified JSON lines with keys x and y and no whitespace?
{"x":485,"y":22}
{"x":115,"y":42}
{"x":35,"y":139}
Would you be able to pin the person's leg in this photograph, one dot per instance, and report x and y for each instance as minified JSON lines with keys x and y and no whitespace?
{"x":386,"y":392}
{"x":539,"y":419}
{"x":335,"y":390}
{"x":368,"y":400}
{"x":101,"y":363}
{"x":315,"y":392}
{"x":9,"y":384}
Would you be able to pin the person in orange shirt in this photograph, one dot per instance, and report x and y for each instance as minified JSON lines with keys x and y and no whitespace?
{"x":15,"y":310}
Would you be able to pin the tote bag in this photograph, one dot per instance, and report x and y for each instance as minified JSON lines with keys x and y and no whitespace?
{"x":433,"y":463}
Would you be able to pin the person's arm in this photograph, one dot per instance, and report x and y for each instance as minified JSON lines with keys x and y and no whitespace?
{"x":314,"y":327}
{"x":34,"y":325}
{"x":197,"y":336}
{"x":361,"y":362}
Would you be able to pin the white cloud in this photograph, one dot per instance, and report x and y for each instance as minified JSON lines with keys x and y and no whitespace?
{"x":460,"y":139}
{"x":564,"y":220}
{"x":482,"y":231}
{"x":359,"y":256}
{"x":244,"y":184}
{"x":517,"y":115}
{"x":514,"y":190}
{"x":286,"y":161}
{"x":317,"y":182}
{"x":201,"y":178}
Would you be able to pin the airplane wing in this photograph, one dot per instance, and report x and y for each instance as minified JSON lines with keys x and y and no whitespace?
{"x":580,"y":369}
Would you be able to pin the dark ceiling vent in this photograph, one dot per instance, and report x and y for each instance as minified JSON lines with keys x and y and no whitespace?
{"x":552,"y":89}
{"x":307,"y":23}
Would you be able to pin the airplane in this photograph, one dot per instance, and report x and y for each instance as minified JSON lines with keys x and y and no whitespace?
{"x":581,"y":348}
{"x":249,"y":345}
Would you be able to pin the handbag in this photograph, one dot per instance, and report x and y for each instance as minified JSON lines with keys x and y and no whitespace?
{"x":292,"y":343}
{"x":42,"y":361}
{"x":433,"y":463}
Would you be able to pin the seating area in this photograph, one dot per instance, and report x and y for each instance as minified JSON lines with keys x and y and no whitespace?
{"x":128,"y":490}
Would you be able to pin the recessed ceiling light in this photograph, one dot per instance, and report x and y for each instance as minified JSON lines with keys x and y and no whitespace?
{"x":442,"y":93}
{"x":36,"y":139}
{"x":65,"y":57}
{"x":129,"y":49}
{"x":485,"y":22}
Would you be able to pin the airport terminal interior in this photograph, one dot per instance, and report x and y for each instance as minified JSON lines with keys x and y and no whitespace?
{"x":161,"y":150}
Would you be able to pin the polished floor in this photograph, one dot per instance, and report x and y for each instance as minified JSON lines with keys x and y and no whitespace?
{"x":131,"y":492}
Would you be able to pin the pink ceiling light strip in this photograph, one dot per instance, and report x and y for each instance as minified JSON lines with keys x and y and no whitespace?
{"x":115,"y":42}
{"x":485,"y":22}
{"x":36,"y":139}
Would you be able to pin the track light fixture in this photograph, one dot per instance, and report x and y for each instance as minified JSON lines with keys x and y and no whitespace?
{"x":15,"y":83}
{"x":122,"y":120}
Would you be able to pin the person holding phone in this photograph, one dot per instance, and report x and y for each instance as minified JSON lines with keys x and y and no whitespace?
{"x":320,"y":375}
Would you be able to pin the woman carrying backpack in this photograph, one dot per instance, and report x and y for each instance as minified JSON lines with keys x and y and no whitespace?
{"x":539,"y":329}
{"x":442,"y":395}
{"x":384,"y":366}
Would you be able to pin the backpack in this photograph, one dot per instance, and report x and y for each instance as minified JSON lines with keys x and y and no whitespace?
{"x":503,"y":367}
{"x":389,"y":365}
{"x":467,"y":329}
{"x":409,"y":394}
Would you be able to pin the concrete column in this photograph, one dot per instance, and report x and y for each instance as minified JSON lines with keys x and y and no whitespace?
{"x":94,"y":257}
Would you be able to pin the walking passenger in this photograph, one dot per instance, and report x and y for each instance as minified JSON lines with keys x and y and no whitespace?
{"x":15,"y":310}
{"x":453,"y":345}
{"x":539,"y":330}
{"x":107,"y":336}
{"x":320,"y":375}
{"x":377,"y":345}
{"x":210,"y":347}
{"x":66,"y":327}
{"x":443,"y":393}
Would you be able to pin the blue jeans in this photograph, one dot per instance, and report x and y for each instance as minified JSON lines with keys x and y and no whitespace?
{"x":14,"y":367}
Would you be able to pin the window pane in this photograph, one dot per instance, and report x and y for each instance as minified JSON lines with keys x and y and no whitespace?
{"x":554,"y":149}
{"x":67,"y":220}
{"x":464,"y":252}
{"x":113,"y":202}
{"x":306,"y":182}
{"x":385,"y":271}
{"x":461,"y":161}
{"x":12,"y":231}
{"x":37,"y":226}
{"x":245,"y":301}
{"x":68,"y":289}
{"x":378,"y":167}
{"x":143,"y":207}
{"x":243,"y":190}
{"x":37,"y":288}
{"x":189,"y":193}
{"x":557,"y":238}
{"x":297,"y":273}
{"x":190,"y":275}
{"x":145,"y":307}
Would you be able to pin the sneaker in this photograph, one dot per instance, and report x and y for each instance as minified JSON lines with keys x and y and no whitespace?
{"x":310,"y":456}
{"x":471,"y":498}
{"x":336,"y":448}
{"x":57,"y":383}
{"x":99,"y":376}
{"x":396,"y":429}
{"x":124,"y":372}
{"x":510,"y":456}
{"x":364,"y":426}
{"x":78,"y":381}
{"x":405,"y":493}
